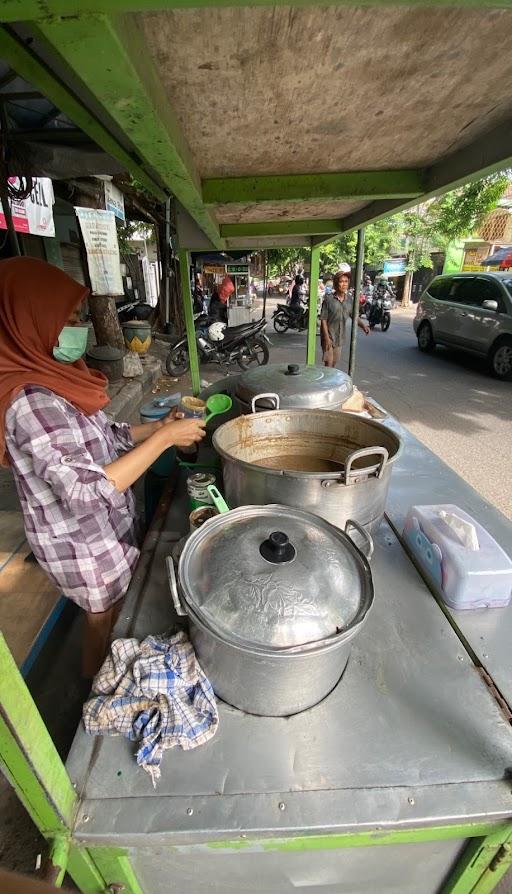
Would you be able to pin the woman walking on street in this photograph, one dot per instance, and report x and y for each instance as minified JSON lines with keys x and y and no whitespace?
{"x":74,"y":488}
{"x":336,"y":309}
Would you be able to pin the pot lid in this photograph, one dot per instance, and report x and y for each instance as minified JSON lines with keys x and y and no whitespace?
{"x":296,"y":384}
{"x":274,"y":577}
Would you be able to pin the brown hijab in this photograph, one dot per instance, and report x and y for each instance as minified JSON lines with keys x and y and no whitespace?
{"x":36,"y":300}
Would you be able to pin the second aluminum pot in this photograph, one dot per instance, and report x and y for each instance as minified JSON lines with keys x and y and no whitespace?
{"x":337,"y":465}
{"x":275,"y":598}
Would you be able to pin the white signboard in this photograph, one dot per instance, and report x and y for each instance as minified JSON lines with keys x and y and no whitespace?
{"x":35,"y":214}
{"x":100,"y":238}
{"x":114,"y":200}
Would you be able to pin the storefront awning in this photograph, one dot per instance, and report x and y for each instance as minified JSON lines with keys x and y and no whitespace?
{"x":500,"y":258}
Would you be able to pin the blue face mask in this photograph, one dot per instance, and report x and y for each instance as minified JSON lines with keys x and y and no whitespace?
{"x":72,"y":344}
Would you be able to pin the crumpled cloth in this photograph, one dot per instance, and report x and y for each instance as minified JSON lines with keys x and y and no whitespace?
{"x":154,"y":692}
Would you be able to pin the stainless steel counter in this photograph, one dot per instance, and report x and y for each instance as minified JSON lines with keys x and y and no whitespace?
{"x":421,"y":477}
{"x":411,"y":737}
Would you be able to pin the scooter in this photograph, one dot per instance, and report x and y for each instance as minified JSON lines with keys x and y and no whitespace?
{"x":286,"y":317}
{"x":379,"y":311}
{"x":245,"y":345}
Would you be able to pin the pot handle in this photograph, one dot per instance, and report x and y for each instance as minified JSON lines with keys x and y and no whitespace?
{"x":173,"y":586}
{"x":218,"y":500}
{"x":366,"y":451}
{"x":368,"y":539}
{"x":270,"y":394}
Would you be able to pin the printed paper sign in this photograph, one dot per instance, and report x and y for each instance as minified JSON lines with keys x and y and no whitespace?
{"x":35,"y":214}
{"x":100,"y":238}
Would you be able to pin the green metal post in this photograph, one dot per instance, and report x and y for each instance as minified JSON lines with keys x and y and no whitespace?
{"x":355,"y":305}
{"x":58,"y":861}
{"x":115,"y":867}
{"x":31,"y":763}
{"x":28,"y":754}
{"x":483,"y":863}
{"x":186,"y":294}
{"x":314,"y":276}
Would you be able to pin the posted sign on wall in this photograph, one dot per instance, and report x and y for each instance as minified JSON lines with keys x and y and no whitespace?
{"x":114,"y":200}
{"x":35,"y":214}
{"x":100,"y":238}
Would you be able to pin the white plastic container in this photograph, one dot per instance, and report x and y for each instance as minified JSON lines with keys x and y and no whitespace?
{"x":460,"y":558}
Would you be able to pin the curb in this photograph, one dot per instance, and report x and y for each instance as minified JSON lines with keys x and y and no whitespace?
{"x":127,"y":401}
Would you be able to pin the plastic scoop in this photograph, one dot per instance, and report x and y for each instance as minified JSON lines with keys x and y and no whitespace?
{"x":218,"y":500}
{"x":216,"y":405}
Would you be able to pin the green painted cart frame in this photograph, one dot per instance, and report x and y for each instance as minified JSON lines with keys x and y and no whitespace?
{"x":29,"y":760}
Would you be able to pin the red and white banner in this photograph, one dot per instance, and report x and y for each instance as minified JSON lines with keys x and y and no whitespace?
{"x":35,"y":214}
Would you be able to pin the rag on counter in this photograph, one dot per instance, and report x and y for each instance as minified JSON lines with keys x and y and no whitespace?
{"x":154,"y":692}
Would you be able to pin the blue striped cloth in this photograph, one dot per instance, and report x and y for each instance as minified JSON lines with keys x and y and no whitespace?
{"x":153,"y":692}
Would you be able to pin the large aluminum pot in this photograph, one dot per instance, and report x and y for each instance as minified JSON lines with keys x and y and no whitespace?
{"x":292,"y":386}
{"x":336,"y":465}
{"x":275,"y":598}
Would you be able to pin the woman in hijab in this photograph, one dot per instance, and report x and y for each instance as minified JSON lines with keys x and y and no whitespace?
{"x":74,"y":487}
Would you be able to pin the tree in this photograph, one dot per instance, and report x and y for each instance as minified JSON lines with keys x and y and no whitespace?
{"x":416,"y":232}
{"x":285,"y":260}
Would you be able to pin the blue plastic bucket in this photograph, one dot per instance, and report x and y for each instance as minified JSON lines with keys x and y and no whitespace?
{"x":164,"y":464}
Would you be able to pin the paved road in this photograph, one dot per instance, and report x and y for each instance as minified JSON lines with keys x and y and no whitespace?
{"x":446,"y":399}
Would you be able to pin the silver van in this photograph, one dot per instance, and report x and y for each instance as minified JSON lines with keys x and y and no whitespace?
{"x":470,"y":312}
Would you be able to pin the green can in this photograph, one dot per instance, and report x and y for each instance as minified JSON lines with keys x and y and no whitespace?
{"x":197,"y":487}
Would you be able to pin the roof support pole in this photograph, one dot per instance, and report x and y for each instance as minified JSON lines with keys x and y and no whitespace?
{"x":355,"y":305}
{"x":314,"y":275}
{"x":186,"y":297}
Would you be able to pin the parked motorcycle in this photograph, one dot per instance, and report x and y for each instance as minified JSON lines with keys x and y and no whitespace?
{"x":286,"y":317}
{"x":217,"y":343}
{"x":378,"y":311}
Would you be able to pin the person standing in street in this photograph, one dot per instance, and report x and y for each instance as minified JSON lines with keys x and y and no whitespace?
{"x":336,"y":309}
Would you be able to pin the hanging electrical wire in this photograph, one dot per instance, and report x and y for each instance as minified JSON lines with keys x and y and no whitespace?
{"x":14,"y":164}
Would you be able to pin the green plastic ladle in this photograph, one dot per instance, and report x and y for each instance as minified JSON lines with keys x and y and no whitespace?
{"x":218,"y":500}
{"x":216,"y":405}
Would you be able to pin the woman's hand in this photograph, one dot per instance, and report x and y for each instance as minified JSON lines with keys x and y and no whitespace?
{"x":184,"y":432}
{"x":171,"y":416}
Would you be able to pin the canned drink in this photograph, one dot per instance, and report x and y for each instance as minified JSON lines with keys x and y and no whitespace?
{"x":197,"y":487}
{"x":198,"y":516}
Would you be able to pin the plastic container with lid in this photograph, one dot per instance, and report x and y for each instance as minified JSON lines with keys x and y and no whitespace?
{"x":152,"y":412}
{"x":459,"y":557}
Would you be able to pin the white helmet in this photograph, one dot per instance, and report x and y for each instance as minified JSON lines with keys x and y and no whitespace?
{"x":216,"y":331}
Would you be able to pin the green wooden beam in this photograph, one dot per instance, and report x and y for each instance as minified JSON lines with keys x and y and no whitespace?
{"x":257,"y":243}
{"x":27,"y":754}
{"x":314,"y":275}
{"x":488,"y":154}
{"x":281,"y":228}
{"x":188,"y":310}
{"x":23,"y":10}
{"x":114,"y":865}
{"x":112,"y":61}
{"x":19,"y":56}
{"x":304,"y":187}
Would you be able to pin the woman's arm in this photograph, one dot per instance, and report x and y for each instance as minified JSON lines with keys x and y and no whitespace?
{"x":181,"y":433}
{"x":141,"y":433}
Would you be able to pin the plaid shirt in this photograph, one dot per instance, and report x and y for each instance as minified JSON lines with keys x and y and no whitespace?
{"x":80,"y":528}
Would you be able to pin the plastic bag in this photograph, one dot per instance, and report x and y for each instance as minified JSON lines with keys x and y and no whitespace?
{"x":226,"y":288}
